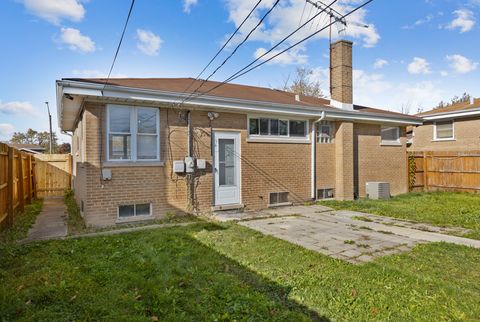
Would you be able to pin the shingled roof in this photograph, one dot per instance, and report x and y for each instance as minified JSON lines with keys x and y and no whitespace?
{"x":454,"y":108}
{"x":229,"y":90}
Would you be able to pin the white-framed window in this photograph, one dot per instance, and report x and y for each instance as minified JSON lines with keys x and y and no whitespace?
{"x":390,"y":134}
{"x":325,"y":132}
{"x":134,"y":210}
{"x":443,"y":131}
{"x":272,"y":127}
{"x":133,"y":133}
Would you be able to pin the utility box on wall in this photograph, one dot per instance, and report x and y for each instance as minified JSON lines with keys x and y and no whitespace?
{"x":178,"y":166}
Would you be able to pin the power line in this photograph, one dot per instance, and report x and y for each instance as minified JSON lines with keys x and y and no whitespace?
{"x":303,"y":12}
{"x":237,"y":74}
{"x":279,"y":43}
{"x":234,"y":51}
{"x":119,"y":45}
{"x":224,"y":45}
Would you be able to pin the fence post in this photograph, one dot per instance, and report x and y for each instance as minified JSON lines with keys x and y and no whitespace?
{"x":29,"y":177}
{"x":425,"y":172}
{"x":21,"y":190}
{"x":10,"y":187}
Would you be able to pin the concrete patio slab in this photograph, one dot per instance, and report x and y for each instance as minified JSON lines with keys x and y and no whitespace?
{"x":347,"y":235}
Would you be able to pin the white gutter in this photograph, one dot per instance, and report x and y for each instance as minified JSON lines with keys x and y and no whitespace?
{"x":235,"y":105}
{"x":314,"y":156}
{"x":451,"y":115}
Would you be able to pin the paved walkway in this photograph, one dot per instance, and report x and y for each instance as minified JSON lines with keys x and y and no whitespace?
{"x":351,"y":236}
{"x":50,"y":223}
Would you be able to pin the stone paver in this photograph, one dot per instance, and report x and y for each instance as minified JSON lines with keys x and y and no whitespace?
{"x":344,"y":235}
{"x":50,"y":223}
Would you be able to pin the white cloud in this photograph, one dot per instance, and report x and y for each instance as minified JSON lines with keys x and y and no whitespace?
{"x":6,"y":131}
{"x":444,"y":73}
{"x":419,"y":95}
{"x":285,"y":18}
{"x":17,"y":108}
{"x":380,"y":63}
{"x":148,"y":42}
{"x":420,"y":22}
{"x":293,"y":56}
{"x":419,"y":66}
{"x":465,"y":20}
{"x":93,"y":73}
{"x":371,"y":89}
{"x":76,"y":41}
{"x":461,"y":64}
{"x":55,"y":11}
{"x":188,"y":4}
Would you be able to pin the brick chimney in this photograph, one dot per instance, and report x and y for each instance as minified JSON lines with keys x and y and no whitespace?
{"x":341,"y":91}
{"x":341,"y":79}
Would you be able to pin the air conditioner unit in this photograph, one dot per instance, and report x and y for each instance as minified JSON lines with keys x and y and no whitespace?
{"x":378,"y":190}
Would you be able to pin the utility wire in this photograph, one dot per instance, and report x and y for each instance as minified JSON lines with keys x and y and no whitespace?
{"x":234,"y":51}
{"x":303,"y":12}
{"x":279,"y":43}
{"x":224,"y":45}
{"x":237,"y":75}
{"x":119,"y":45}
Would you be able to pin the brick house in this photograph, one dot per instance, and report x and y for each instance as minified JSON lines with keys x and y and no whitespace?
{"x":452,"y":128}
{"x":250,"y":147}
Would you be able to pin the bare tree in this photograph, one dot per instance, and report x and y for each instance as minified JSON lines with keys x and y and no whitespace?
{"x":455,"y":100}
{"x":303,"y":84}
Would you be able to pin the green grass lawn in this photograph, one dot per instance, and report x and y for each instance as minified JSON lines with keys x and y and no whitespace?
{"x":437,"y":208}
{"x":228,"y":272}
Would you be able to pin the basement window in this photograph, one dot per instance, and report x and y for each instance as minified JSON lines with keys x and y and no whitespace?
{"x":325,"y":193}
{"x":277,"y":198}
{"x":127,"y":211}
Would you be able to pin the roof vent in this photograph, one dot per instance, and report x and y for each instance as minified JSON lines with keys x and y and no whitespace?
{"x":472,"y":100}
{"x":297,"y":97}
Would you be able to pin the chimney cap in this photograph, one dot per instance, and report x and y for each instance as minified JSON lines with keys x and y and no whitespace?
{"x":343,"y":41}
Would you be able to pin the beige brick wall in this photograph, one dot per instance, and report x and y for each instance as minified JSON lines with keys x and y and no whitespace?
{"x":78,"y":167}
{"x":467,"y":137}
{"x":265,"y":167}
{"x":374,"y":162}
{"x":289,"y":171}
{"x":325,"y":165}
{"x":344,"y":159}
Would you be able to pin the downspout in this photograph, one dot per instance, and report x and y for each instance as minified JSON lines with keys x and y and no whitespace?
{"x":314,"y":155}
{"x":190,"y":176}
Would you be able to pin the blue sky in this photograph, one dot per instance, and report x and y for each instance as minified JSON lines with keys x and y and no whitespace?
{"x":414,"y":54}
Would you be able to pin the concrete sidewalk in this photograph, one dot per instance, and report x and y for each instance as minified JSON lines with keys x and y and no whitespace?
{"x":51,"y":222}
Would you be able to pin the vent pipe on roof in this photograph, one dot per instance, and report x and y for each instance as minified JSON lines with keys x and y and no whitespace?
{"x":472,"y":100}
{"x":297,"y":97}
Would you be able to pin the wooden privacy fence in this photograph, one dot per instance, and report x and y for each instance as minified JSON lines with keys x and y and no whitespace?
{"x":17,"y":186}
{"x":446,"y":170}
{"x":24,"y":176}
{"x":53,"y":174}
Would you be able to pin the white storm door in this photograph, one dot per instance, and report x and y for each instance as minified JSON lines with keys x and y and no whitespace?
{"x":227,"y":168}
